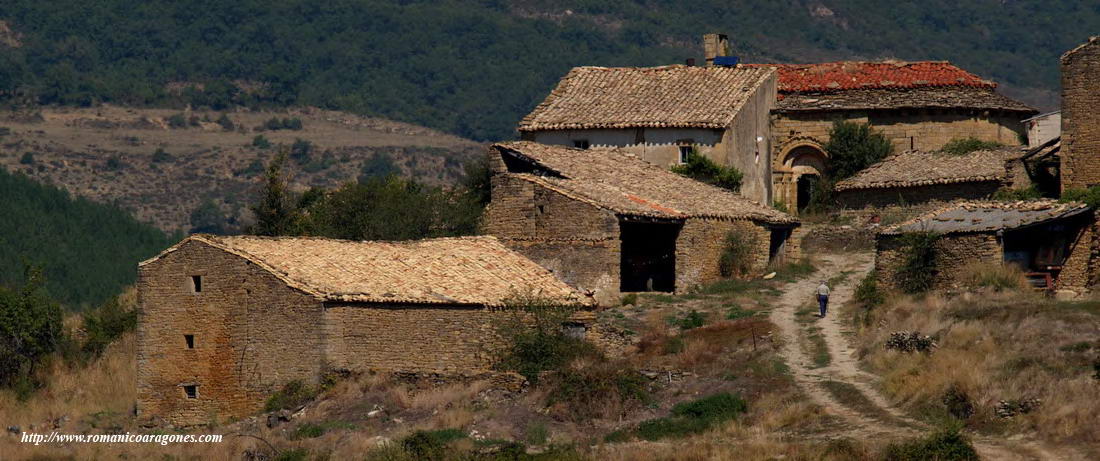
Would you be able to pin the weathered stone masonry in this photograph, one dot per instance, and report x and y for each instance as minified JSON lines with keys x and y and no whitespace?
{"x":1080,"y":154}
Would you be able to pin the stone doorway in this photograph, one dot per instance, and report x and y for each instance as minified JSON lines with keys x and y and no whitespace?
{"x":807,"y":185}
{"x":648,"y":256}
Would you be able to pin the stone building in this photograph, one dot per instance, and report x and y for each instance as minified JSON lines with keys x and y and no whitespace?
{"x":1052,"y":242}
{"x":918,"y":105}
{"x":1080,"y":154}
{"x":1043,"y":128}
{"x":660,"y":114}
{"x":608,"y":222}
{"x":915,"y":178}
{"x":225,"y":321}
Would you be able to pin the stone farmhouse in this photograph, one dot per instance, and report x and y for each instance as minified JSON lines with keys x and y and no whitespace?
{"x":1052,"y":242}
{"x":608,"y":222}
{"x":916,"y":177}
{"x":918,"y":105}
{"x":1080,"y":165}
{"x":661,"y":114}
{"x":225,"y":321}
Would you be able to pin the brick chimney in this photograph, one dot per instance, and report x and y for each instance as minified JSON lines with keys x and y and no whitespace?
{"x":715,"y":45}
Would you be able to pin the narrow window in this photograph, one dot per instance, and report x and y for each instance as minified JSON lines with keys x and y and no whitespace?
{"x":191,"y":390}
{"x":196,"y":284}
{"x":190,"y":339}
{"x":685,"y":147}
{"x":580,"y":143}
{"x":542,"y":209}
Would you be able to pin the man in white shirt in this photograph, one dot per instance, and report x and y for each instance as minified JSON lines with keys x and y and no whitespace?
{"x":823,"y":297}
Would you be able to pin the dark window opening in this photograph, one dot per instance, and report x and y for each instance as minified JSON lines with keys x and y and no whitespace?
{"x":580,"y":143}
{"x":777,"y":244}
{"x":685,"y":148}
{"x":574,"y":330}
{"x":807,"y":184}
{"x":541,"y":209}
{"x":648,"y":256}
{"x":196,"y":284}
{"x":190,"y":339}
{"x":191,"y":391}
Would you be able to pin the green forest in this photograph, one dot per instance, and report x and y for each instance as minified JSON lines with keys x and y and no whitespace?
{"x":472,"y":67}
{"x":87,"y":251}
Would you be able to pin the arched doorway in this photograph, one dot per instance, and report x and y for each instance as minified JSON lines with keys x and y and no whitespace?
{"x":807,"y":163}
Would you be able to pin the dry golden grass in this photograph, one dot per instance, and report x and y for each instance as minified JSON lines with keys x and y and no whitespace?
{"x":997,"y":276}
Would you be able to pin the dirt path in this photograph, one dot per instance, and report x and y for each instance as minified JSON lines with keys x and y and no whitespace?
{"x":840,"y":386}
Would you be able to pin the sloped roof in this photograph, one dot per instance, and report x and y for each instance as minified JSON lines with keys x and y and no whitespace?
{"x":460,"y":270}
{"x":988,"y":216}
{"x":628,"y":97}
{"x":919,"y":168}
{"x":854,"y":75}
{"x":616,"y":180}
{"x":947,"y":97}
{"x":1069,"y":54}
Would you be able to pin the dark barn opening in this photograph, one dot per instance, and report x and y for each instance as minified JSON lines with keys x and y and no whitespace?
{"x":648,"y":256}
{"x":806,"y":185}
{"x":778,"y":243}
{"x":1041,"y":250}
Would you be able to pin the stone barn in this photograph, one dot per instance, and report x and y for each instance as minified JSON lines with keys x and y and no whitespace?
{"x":608,"y":222}
{"x":1080,"y":155}
{"x":1052,"y":242}
{"x":661,"y":114}
{"x":918,"y":105}
{"x":225,"y":321}
{"x":916,"y":178}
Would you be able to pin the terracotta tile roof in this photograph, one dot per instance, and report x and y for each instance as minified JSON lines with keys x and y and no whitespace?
{"x":947,"y":97}
{"x":852,"y":75}
{"x":461,"y":270}
{"x":988,"y":216}
{"x":918,"y":168}
{"x":613,"y":179}
{"x":628,"y":97}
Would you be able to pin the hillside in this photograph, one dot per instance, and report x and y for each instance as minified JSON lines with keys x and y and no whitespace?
{"x":472,"y":68}
{"x":162,"y":165}
{"x":87,"y":250}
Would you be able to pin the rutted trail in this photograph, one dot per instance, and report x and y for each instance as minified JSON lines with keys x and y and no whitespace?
{"x":875,"y":418}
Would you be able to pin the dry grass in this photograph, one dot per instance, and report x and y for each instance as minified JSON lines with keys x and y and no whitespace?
{"x":993,"y":347}
{"x":996,"y":276}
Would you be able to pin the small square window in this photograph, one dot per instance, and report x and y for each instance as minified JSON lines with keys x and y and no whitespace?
{"x":196,"y":284}
{"x":580,"y":143}
{"x":191,"y":391}
{"x":190,"y":340}
{"x":685,"y":151}
{"x":541,"y":209}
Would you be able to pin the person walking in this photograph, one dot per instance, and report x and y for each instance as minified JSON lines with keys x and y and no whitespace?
{"x":823,"y":298}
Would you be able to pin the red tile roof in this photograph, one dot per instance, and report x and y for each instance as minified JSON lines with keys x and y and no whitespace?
{"x":851,"y":75}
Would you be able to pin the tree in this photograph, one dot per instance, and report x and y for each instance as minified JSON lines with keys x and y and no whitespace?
{"x":853,"y":147}
{"x":476,"y":180}
{"x":379,"y":165}
{"x":275,"y":213}
{"x":208,"y":218}
{"x":30,"y":329}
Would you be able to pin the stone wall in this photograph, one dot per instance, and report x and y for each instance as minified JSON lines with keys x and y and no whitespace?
{"x":1078,"y":272}
{"x":588,"y":265}
{"x":252,"y":335}
{"x":883,"y":197}
{"x":1080,"y":152}
{"x":701,"y":243}
{"x":953,"y":252}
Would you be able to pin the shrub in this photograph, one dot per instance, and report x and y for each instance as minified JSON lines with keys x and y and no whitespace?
{"x":1090,"y":196}
{"x":226,"y":123}
{"x":867,"y":292}
{"x":115,"y":163}
{"x":429,"y":445}
{"x":944,"y":445}
{"x":261,"y":142}
{"x":918,"y":269}
{"x":958,"y":403}
{"x":1009,"y":194}
{"x":30,"y":330}
{"x":379,"y":165}
{"x":177,"y":121}
{"x":994,"y":275}
{"x":160,"y":156}
{"x":594,"y":390}
{"x":701,"y":168}
{"x":693,"y":319}
{"x":737,"y":254}
{"x":693,"y":417}
{"x":536,"y":340}
{"x":736,"y":312}
{"x":293,"y":395}
{"x":853,"y":147}
{"x":105,"y":324}
{"x":27,"y":158}
{"x":630,"y":300}
{"x":963,"y":146}
{"x":308,"y":431}
{"x":301,"y":151}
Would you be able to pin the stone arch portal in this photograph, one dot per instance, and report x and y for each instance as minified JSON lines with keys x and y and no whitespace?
{"x":804,"y":164}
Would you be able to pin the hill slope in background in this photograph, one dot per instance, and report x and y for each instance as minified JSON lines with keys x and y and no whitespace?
{"x":474,"y":67}
{"x":163,"y":165}
{"x":87,"y":250}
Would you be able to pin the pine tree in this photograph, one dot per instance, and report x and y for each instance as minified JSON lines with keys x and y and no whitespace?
{"x":275,"y":213}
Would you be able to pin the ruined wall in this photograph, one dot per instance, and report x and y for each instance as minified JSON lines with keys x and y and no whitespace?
{"x":701,"y":243}
{"x":953,"y":253}
{"x":577,"y":241}
{"x":883,"y":197}
{"x":1080,"y":152}
{"x":252,"y":335}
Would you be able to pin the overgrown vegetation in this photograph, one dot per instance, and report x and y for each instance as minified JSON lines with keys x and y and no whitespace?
{"x":536,"y":340}
{"x":87,"y":251}
{"x":852,"y":147}
{"x":998,"y":276}
{"x":1008,"y":194}
{"x":30,"y":330}
{"x":963,"y":146}
{"x":919,"y":265}
{"x":1090,"y":196}
{"x":701,"y":168}
{"x":687,"y":418}
{"x":293,"y":395}
{"x":737,"y":254}
{"x":947,"y":444}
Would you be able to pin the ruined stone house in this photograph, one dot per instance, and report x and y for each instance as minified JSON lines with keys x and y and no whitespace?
{"x":225,"y":321}
{"x":1080,"y":153}
{"x":1050,"y":241}
{"x":915,"y":178}
{"x":660,"y":114}
{"x":608,"y":222}
{"x":917,"y":105}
